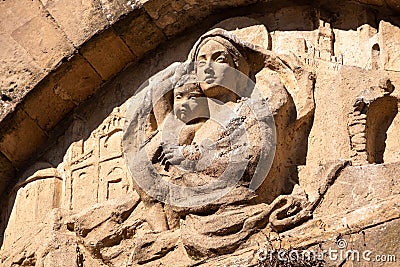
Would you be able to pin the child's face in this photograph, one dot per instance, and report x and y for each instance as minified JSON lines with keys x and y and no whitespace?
{"x":190,"y":103}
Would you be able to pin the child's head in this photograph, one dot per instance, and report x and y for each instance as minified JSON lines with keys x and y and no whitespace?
{"x":190,"y":103}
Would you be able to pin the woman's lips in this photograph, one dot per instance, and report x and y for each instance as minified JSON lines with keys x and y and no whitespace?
{"x":209,"y":79}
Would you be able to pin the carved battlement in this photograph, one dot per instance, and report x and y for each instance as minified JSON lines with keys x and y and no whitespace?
{"x":97,"y":163}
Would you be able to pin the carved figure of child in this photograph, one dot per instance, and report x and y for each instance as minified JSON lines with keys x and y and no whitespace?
{"x":183,"y":138}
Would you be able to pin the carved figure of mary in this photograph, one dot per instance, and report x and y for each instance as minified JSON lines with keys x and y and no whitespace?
{"x":236,"y":142}
{"x":238,"y":146}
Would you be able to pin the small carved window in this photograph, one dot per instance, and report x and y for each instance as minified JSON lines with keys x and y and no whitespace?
{"x":375,"y":56}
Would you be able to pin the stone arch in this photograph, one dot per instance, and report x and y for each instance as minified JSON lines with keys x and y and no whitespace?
{"x":380,"y":116}
{"x":374,"y":112}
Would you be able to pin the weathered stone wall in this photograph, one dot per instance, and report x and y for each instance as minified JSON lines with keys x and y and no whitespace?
{"x":75,"y":199}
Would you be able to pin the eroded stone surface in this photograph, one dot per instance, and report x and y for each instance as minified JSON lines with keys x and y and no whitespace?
{"x":335,"y":104}
{"x":108,"y":54}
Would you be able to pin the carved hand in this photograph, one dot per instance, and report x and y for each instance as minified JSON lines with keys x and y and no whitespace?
{"x":171,"y":155}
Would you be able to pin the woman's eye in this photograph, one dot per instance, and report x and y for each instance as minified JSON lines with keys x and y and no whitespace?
{"x":221,"y":59}
{"x":201,"y":63}
{"x":178,"y":97}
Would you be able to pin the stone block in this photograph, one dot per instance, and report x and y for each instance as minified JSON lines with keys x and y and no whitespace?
{"x":18,"y":72}
{"x":76,"y":80}
{"x":247,"y":29}
{"x":108,"y":54}
{"x":356,"y":128}
{"x":359,"y":138}
{"x":140,"y":33}
{"x":165,"y":14}
{"x":154,"y":8}
{"x":114,"y":9}
{"x":43,"y":40}
{"x":79,"y":19}
{"x":15,"y":14}
{"x":22,"y":139}
{"x":176,"y":16}
{"x":360,"y":186}
{"x":389,"y":41}
{"x":174,"y":22}
{"x":359,"y":147}
{"x":46,"y":107}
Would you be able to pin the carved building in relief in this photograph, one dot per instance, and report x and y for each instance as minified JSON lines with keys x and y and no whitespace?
{"x":96,"y":165}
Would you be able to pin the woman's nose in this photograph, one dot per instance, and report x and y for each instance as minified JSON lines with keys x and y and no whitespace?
{"x":208,"y":68}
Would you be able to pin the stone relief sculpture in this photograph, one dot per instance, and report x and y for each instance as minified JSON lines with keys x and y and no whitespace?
{"x":178,"y":128}
{"x":212,"y":157}
{"x":209,"y":127}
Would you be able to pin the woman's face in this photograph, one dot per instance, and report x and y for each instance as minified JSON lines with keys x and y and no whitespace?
{"x":215,"y":67}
